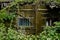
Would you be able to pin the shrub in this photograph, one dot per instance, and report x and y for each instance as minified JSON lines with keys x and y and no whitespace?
{"x":51,"y":32}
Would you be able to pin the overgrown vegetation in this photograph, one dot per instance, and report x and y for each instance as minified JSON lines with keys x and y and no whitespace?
{"x":7,"y":33}
{"x":51,"y":32}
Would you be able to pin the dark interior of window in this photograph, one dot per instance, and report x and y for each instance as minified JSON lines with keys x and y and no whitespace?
{"x":24,"y":22}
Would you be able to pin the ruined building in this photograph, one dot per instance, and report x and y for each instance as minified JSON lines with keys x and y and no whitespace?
{"x":32,"y":15}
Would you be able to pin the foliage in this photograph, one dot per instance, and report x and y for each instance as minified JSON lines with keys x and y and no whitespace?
{"x":9,"y":33}
{"x":5,"y":16}
{"x":57,"y":1}
{"x":12,"y":34}
{"x":52,"y":33}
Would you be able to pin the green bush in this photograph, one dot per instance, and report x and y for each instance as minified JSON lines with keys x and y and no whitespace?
{"x":51,"y":32}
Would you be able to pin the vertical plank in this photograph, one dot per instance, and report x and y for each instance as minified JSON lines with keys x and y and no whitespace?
{"x":36,"y":11}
